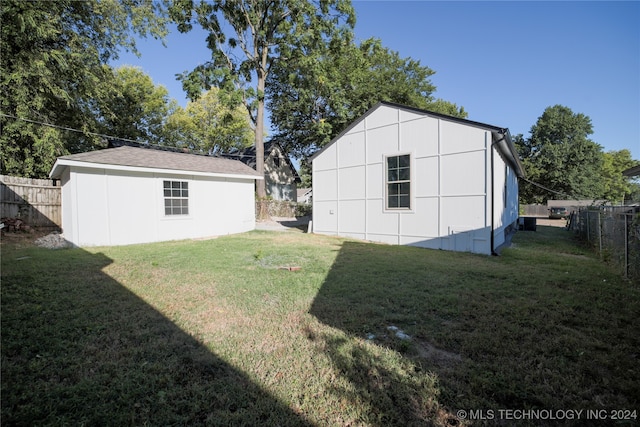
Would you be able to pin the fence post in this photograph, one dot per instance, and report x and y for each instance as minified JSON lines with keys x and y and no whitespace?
{"x":626,"y":245}
{"x":600,"y":233}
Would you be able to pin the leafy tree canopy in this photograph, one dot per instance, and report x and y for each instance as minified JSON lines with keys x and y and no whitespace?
{"x":51,"y":71}
{"x":322,"y":88}
{"x":565,"y":164}
{"x":247,"y":38}
{"x":133,"y":107}
{"x":209,"y":125}
{"x":616,"y":187}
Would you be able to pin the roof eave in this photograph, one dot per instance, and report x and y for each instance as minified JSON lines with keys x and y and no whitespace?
{"x":632,"y":171}
{"x":61,"y":163}
{"x":57,"y":170}
{"x":510,"y":148}
{"x":503,"y":142}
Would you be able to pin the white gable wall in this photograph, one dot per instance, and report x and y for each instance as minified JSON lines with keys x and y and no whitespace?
{"x":113,"y":207}
{"x":68,"y":217}
{"x":505,"y":201}
{"x":451,"y":188}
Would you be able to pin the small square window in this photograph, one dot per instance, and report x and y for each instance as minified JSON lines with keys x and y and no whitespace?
{"x":176,"y":197}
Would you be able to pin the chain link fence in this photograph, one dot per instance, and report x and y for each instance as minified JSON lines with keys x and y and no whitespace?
{"x":614,"y":231}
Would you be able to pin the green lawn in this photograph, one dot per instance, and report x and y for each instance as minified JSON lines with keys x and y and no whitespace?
{"x":221,"y":332}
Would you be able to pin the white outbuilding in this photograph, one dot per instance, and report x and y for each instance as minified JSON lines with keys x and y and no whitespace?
{"x":127,"y":195}
{"x":406,"y":176}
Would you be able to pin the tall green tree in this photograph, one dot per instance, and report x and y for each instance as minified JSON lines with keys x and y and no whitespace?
{"x":323,"y":87}
{"x":561,"y":158}
{"x":249,"y":37}
{"x":210,"y":125}
{"x":51,"y":71}
{"x":133,"y":107}
{"x":616,"y":187}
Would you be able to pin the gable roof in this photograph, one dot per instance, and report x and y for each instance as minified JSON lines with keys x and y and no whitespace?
{"x":501,"y":136}
{"x":248,"y":156}
{"x":146,"y":159}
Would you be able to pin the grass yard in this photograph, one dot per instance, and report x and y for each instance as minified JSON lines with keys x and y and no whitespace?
{"x":222,"y":332}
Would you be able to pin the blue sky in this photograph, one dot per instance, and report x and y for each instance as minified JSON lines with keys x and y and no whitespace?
{"x":504,"y":61}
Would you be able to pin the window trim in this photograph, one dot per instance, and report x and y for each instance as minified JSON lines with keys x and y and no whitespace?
{"x":183,"y":186}
{"x":506,"y":187}
{"x":411,"y":182}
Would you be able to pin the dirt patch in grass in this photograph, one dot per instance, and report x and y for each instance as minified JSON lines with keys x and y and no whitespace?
{"x":437,"y":356}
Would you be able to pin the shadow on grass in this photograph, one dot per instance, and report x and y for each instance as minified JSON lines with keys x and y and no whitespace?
{"x":80,"y":349}
{"x":363,"y":295}
{"x":496,"y":332}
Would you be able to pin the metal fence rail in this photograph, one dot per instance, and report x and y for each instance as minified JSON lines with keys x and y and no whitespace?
{"x":614,"y":231}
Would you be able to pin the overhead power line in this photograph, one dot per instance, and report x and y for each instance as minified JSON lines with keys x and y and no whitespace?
{"x":102,"y":135}
{"x":65,"y":128}
{"x":229,"y":155}
{"x":570,"y":196}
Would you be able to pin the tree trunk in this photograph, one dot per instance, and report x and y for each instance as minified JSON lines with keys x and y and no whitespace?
{"x":261,"y":191}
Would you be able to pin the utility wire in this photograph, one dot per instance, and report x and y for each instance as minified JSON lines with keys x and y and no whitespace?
{"x":103,"y":135}
{"x":65,"y":128}
{"x":570,"y":196}
{"x":226,"y":155}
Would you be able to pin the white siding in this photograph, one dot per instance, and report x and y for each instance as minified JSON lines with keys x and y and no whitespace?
{"x":350,"y":221}
{"x":463,"y":174}
{"x":329,"y":188}
{"x":380,"y":141}
{"x":426,"y":176}
{"x":91,"y":214}
{"x":130,"y":198}
{"x":451,"y":183}
{"x":327,"y":161}
{"x":505,"y":201}
{"x":111,"y":207}
{"x":353,"y":184}
{"x":459,"y":138}
{"x":68,"y":190}
{"x":325,"y":216}
{"x":351,"y":150}
{"x":420,"y":136}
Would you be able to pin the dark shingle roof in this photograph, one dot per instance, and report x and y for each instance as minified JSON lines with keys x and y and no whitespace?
{"x":159,"y":159}
{"x":632,"y":171}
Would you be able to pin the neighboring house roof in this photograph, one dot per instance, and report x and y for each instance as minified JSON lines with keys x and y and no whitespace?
{"x":302,"y":192}
{"x":631,"y":172}
{"x":248,"y":157}
{"x":142,"y":159}
{"x":501,"y":136}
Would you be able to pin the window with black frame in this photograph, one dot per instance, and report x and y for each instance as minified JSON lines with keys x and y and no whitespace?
{"x":399,"y":182}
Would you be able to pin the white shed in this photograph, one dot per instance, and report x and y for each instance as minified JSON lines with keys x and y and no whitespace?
{"x":126,"y":195}
{"x":405,"y":176}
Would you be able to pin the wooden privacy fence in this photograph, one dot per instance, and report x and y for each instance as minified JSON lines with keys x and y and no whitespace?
{"x":37,"y":202}
{"x":534,"y":210}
